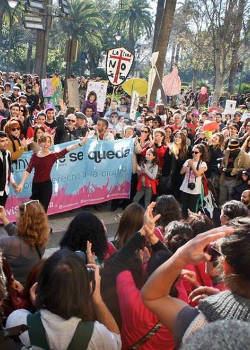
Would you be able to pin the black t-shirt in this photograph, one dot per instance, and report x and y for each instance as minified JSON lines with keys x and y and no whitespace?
{"x":230,"y":165}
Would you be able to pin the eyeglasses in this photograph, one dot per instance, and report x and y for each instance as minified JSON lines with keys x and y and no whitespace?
{"x":31,"y":201}
{"x":195,"y":152}
{"x":71,"y":120}
{"x":14,"y":129}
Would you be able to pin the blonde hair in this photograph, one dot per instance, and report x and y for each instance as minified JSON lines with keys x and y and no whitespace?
{"x":32,"y":224}
{"x":245,"y":147}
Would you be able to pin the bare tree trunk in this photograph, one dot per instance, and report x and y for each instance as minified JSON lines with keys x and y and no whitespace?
{"x":177,"y":54}
{"x":158,"y":21}
{"x":194,"y":80}
{"x":231,"y":78}
{"x":162,"y":42}
{"x":131,"y":36}
{"x":219,"y":80}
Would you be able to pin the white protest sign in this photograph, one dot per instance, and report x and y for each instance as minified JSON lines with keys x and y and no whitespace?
{"x":230,"y":107}
{"x":100,"y":88}
{"x":118,"y":65}
{"x":73,"y":93}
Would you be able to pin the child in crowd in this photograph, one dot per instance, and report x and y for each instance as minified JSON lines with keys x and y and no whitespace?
{"x":147,"y":182}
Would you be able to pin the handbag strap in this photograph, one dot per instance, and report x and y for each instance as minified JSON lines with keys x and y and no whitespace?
{"x":146,"y":337}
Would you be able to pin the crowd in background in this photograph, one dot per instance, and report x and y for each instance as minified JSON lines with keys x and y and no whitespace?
{"x":177,"y":269}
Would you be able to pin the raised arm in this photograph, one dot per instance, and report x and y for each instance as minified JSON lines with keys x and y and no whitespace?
{"x":156,"y":291}
{"x":83,"y":140}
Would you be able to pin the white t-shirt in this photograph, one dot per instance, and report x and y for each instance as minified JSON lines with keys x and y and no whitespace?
{"x":189,"y":177}
{"x":60,"y":332}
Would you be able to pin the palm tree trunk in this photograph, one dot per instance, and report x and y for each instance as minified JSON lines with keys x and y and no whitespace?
{"x":162,"y":42}
{"x":131,"y":36}
{"x":158,"y":21}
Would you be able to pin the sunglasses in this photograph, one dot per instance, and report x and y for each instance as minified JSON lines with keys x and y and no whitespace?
{"x":195,"y":152}
{"x":31,"y":201}
{"x":14,"y":129}
{"x":71,"y":120}
{"x":213,"y":252}
{"x":146,"y":132}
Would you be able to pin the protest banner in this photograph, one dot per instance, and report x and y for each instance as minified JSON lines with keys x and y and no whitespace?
{"x":100,"y":88}
{"x":118,"y":64}
{"x":95,"y":173}
{"x":73,"y":93}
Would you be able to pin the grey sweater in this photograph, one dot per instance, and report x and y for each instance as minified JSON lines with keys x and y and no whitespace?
{"x":19,"y":254}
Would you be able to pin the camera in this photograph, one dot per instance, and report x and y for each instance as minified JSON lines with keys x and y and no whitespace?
{"x":191,"y":185}
{"x":91,"y":272}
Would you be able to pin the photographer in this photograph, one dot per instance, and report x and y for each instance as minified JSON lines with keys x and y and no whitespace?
{"x":234,"y":161}
{"x":191,"y":186}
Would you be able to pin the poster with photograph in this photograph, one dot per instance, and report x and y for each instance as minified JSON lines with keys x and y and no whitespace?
{"x":47,"y":88}
{"x":100,"y":88}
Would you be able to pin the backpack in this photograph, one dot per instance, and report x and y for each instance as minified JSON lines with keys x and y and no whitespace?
{"x":38,"y":337}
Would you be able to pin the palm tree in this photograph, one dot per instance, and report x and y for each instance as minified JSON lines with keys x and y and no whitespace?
{"x":84,"y":23}
{"x":135,"y":19}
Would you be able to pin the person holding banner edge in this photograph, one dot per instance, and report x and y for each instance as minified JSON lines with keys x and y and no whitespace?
{"x":42,"y":162}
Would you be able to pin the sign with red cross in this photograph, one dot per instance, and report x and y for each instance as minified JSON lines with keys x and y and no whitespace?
{"x":118,"y":65}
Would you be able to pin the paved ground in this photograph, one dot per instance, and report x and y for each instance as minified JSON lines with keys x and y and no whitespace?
{"x":60,"y":222}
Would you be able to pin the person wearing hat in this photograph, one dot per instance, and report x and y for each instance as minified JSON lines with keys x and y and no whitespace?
{"x":7,"y":90}
{"x":81,"y":124}
{"x":66,"y":132}
{"x":234,"y":161}
{"x":32,"y":99}
{"x":15,"y":93}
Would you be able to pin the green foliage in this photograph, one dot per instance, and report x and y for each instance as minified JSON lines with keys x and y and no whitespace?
{"x":245,"y":88}
{"x":134,"y":19}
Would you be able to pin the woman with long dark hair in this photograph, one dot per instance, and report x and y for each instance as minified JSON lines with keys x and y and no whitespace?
{"x":229,"y":245}
{"x":174,"y":159}
{"x":87,"y":227}
{"x":131,"y":221}
{"x":215,"y":152}
{"x":71,"y":313}
{"x":191,"y":186}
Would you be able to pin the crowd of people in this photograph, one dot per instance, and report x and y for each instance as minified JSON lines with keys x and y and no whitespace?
{"x":178,"y":268}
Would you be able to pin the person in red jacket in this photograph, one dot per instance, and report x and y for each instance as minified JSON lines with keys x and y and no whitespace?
{"x":158,"y":144}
